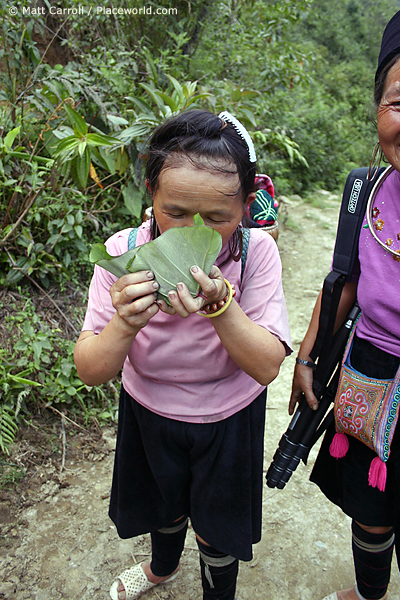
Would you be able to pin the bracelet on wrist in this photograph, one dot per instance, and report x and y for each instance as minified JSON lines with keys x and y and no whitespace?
{"x":306,"y":363}
{"x":217,"y":308}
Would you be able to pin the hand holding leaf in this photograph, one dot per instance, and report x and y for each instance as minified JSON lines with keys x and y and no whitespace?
{"x":169,"y":256}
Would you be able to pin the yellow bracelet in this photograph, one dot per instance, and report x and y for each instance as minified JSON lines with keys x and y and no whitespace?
{"x":224,"y":307}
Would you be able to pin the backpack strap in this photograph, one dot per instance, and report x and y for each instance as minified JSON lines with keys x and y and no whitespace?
{"x":328,"y":348}
{"x":352,"y":210}
{"x":132,"y":238}
{"x":245,"y":238}
{"x":355,"y":197}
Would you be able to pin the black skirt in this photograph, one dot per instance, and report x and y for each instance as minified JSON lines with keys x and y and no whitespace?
{"x":212,"y":472}
{"x":345,"y":481}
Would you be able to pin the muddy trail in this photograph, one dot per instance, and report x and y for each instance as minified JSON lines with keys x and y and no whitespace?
{"x":57,"y":541}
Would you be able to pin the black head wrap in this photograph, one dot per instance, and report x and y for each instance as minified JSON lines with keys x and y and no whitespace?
{"x":390,"y":43}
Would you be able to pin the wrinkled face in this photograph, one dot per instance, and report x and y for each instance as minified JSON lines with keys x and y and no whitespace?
{"x":186,"y":190}
{"x":389,"y":117}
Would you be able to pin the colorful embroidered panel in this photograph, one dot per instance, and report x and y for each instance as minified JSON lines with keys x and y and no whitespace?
{"x":367,"y":408}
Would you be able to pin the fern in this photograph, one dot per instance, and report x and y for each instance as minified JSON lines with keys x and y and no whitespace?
{"x":41,"y":102}
{"x":8,"y":430}
{"x":77,"y":85}
{"x":23,"y":394}
{"x":52,"y":88}
{"x":68,"y":86}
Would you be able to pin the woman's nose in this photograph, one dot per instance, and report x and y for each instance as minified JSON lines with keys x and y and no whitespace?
{"x":189,"y":221}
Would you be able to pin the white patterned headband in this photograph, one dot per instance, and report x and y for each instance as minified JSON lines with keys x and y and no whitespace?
{"x":242,"y":131}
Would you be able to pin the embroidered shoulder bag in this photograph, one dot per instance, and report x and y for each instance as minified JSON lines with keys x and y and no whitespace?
{"x":368,"y":410}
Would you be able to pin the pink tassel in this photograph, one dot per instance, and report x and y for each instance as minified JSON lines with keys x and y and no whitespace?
{"x":377,"y":474}
{"x":339,"y":445}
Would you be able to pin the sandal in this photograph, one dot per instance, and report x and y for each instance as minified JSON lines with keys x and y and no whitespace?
{"x":135,"y":583}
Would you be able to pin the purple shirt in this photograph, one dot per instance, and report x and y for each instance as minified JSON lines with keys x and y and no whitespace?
{"x":178,"y":367}
{"x":378,"y":288}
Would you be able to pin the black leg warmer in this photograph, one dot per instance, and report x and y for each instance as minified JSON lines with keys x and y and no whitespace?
{"x":218,"y":573}
{"x":167,"y":546}
{"x":372,"y":554}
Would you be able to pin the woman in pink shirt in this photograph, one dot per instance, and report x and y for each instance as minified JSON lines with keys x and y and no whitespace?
{"x":348,"y":481}
{"x":192,"y":404}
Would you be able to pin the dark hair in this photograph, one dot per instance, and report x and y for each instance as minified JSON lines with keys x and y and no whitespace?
{"x":381,"y":78}
{"x":198,"y":135}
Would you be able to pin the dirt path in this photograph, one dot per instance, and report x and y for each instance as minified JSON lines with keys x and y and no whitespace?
{"x":61,"y":544}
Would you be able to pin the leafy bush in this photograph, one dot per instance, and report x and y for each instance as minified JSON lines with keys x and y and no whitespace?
{"x":65,"y":184}
{"x":37,"y":367}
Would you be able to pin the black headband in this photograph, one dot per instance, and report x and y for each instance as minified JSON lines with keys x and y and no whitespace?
{"x":390,"y":45}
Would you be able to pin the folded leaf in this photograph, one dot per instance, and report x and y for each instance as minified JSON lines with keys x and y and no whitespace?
{"x":169,"y":256}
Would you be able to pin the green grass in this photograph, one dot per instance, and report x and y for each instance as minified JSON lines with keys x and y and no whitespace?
{"x":10,"y":473}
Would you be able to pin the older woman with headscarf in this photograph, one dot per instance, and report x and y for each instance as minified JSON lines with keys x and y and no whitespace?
{"x":352,"y":478}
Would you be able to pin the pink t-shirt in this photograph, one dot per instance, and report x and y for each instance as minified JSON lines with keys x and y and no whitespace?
{"x":378,"y":288}
{"x":178,"y":367}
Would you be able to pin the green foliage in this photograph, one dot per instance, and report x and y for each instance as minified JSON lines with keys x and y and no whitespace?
{"x":10,"y":473}
{"x":15,"y":387}
{"x":78,"y":149}
{"x":40,"y":368}
{"x":238,"y":33}
{"x":332,"y":118}
{"x":8,"y":429}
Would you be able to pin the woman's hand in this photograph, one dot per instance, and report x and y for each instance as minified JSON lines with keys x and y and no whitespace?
{"x":213,"y":289}
{"x":302,"y":384}
{"x":134,"y":298}
{"x":303,"y":375}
